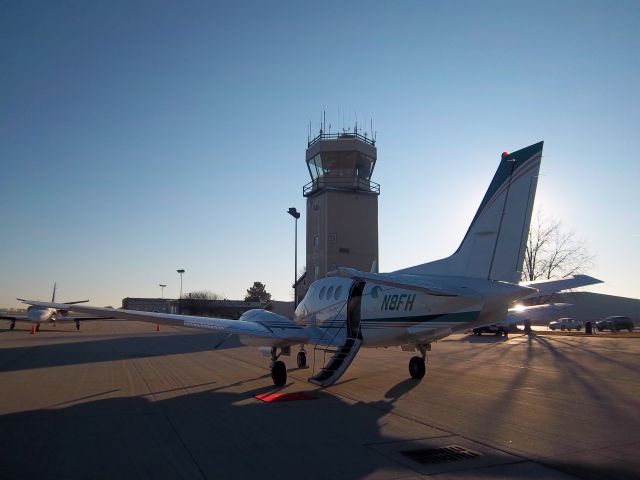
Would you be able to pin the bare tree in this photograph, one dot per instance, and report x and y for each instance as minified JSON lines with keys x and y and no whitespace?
{"x":552,"y":252}
{"x":202,"y":295}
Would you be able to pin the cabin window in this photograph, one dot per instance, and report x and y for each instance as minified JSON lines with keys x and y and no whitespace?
{"x":338,"y":292}
{"x":375,"y":292}
{"x":329,"y":292}
{"x":321,"y":294}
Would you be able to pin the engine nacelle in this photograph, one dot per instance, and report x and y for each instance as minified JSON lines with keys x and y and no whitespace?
{"x":266,"y":318}
{"x":271,"y":321}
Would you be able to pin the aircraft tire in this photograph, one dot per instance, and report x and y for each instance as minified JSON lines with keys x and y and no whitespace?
{"x":417,"y":368}
{"x":38,"y":328}
{"x":12,"y":326}
{"x":279,"y":373}
{"x":301,"y":359}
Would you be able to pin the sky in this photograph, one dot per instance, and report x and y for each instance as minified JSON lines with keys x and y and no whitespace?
{"x":140,"y":137}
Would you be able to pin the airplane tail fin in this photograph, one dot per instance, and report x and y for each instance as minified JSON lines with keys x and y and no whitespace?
{"x":53,"y":297}
{"x":493,"y":247}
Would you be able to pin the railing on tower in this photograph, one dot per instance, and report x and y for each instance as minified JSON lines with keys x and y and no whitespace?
{"x":341,"y":183}
{"x":344,"y":135}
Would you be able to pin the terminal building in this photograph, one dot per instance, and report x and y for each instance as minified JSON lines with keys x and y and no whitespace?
{"x":342,"y":205}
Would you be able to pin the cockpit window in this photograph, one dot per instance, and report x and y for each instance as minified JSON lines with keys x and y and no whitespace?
{"x":329,"y":292}
{"x":338,"y":292}
{"x":321,"y":294}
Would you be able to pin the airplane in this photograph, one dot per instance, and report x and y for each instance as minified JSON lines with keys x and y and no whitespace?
{"x":412,"y":307}
{"x":38,"y":315}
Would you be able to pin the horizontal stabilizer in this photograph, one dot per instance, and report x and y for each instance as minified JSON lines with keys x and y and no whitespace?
{"x":547,"y":287}
{"x":536,"y":314}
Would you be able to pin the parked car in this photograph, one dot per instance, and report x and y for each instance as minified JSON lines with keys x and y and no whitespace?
{"x":496,"y":329}
{"x":566,"y":324}
{"x":615,"y":323}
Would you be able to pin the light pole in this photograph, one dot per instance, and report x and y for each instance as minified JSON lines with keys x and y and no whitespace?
{"x":181,"y":271}
{"x":296,"y":215}
{"x":161,"y":285}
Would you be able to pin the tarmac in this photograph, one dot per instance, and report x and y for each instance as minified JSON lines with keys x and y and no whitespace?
{"x":120,"y":400}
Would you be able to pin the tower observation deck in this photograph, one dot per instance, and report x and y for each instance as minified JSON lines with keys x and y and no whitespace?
{"x":341,"y":161}
{"x":342,"y":204}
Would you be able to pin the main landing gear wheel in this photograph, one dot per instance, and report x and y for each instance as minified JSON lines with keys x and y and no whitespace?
{"x":417,"y":367}
{"x":279,"y":373}
{"x":77,"y":325}
{"x":12,"y":326}
{"x":38,"y":328}
{"x":301,"y":359}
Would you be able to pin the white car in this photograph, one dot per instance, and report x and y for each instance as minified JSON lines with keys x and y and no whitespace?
{"x":566,"y":324}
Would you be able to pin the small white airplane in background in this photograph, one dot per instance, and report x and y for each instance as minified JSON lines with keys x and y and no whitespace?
{"x":410,"y":308}
{"x":37,"y":314}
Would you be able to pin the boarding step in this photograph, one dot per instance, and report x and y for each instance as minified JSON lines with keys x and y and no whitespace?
{"x":338,"y":363}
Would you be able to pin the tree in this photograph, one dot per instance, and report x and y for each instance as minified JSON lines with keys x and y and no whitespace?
{"x":552,"y":252}
{"x":202,"y":295}
{"x":257,"y":293}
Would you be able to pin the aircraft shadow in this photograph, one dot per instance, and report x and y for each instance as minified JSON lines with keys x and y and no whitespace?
{"x":221,"y":432}
{"x":91,"y":351}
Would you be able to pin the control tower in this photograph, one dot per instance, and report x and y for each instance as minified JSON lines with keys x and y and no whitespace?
{"x":342,"y":204}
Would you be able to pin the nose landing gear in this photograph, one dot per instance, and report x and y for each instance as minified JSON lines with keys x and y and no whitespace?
{"x":278,"y":369}
{"x":301,"y":359}
{"x":417,"y":365}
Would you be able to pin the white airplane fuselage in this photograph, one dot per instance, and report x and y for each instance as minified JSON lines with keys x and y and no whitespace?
{"x":38,"y":315}
{"x":386,"y":315}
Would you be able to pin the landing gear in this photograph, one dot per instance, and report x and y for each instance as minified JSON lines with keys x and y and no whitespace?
{"x":278,"y":369}
{"x":12,"y":326}
{"x":417,"y":368}
{"x":77,"y":325}
{"x":417,"y":365}
{"x":301,"y":359}
{"x":37,"y":327}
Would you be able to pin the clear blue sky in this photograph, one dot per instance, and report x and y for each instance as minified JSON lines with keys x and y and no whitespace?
{"x":137,"y":138}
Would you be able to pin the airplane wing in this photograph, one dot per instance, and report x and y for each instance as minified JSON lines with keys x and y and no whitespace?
{"x":58,"y":319}
{"x":81,"y":319}
{"x":15,"y":319}
{"x":269,"y":329}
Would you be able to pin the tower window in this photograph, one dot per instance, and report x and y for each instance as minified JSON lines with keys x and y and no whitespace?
{"x":344,"y":250}
{"x":316,"y":241}
{"x":333,"y":238}
{"x":316,"y":272}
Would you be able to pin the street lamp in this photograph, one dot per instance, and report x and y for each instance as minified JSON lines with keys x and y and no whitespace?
{"x":181,"y":271}
{"x":296,"y":215}
{"x":161,"y":290}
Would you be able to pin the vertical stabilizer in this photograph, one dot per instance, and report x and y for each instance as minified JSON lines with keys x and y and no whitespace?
{"x":493,"y":247}
{"x":53,"y":297}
